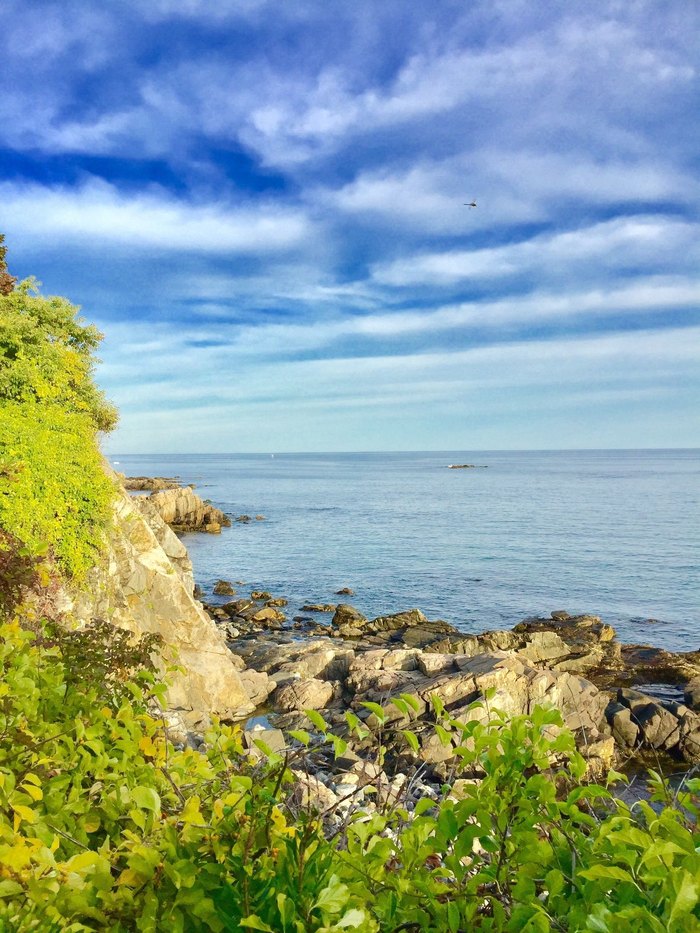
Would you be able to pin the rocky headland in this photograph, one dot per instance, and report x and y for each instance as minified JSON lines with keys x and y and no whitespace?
{"x":246,"y":656}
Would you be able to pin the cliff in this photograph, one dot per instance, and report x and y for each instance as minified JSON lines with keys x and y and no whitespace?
{"x":143,"y":583}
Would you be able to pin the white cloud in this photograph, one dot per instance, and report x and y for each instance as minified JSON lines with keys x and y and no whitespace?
{"x":619,"y":243}
{"x":98,"y":212}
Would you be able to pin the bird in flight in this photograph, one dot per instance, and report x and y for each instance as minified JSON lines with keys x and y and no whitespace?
{"x":470,"y":204}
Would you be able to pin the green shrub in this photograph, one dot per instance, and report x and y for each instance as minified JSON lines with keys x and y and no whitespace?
{"x":105,"y":825}
{"x":53,"y":489}
{"x":47,"y":355}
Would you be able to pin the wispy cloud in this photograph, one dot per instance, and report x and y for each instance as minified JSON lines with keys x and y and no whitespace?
{"x":262,"y":205}
{"x":97,"y":211}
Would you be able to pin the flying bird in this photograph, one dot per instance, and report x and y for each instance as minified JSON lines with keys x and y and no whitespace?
{"x":470,"y":204}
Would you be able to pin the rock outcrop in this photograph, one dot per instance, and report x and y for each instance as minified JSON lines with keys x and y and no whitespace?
{"x":143,"y":584}
{"x":152,"y":483}
{"x":183,"y":510}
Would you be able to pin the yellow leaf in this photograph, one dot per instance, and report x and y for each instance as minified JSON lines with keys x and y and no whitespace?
{"x":129,"y":877}
{"x":34,"y":792}
{"x":23,"y":813}
{"x":147,"y":747}
{"x":191,"y":812}
{"x":280,"y":823}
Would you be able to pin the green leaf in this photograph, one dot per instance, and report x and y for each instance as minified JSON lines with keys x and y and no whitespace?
{"x":352,"y":918}
{"x":146,"y":798}
{"x":9,"y":888}
{"x":339,"y":745}
{"x":411,"y":739}
{"x":253,"y":922}
{"x":443,"y":735}
{"x":333,"y":897}
{"x":316,"y":719}
{"x":423,"y":805}
{"x":301,"y":735}
{"x":412,"y":701}
{"x":686,"y":897}
{"x":376,"y":709}
{"x":606,"y":873}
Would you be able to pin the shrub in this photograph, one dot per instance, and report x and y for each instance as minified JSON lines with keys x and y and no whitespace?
{"x":53,"y":489}
{"x":47,"y":355}
{"x":105,"y":825}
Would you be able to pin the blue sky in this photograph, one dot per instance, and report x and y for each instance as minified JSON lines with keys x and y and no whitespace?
{"x":261,"y":204}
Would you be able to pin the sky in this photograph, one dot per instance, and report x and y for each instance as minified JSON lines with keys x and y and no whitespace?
{"x":263,"y":206}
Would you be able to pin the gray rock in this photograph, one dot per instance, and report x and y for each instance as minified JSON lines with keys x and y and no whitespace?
{"x":273,"y":738}
{"x":691,"y":694}
{"x":660,"y":728}
{"x":304,"y":694}
{"x":346,"y":615}
{"x":257,"y":685}
{"x":183,"y":510}
{"x":625,"y":732}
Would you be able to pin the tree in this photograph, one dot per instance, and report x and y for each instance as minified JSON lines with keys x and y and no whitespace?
{"x":7,"y":281}
{"x":47,"y":355}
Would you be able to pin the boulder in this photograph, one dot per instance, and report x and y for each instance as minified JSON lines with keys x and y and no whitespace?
{"x":347,"y":616}
{"x":691,"y":693}
{"x":689,"y":742}
{"x":624,"y":730}
{"x":310,"y":793}
{"x":397,"y":620}
{"x":183,"y":510}
{"x":655,"y":665}
{"x":257,"y":685}
{"x":303,"y":694}
{"x":223,"y":588}
{"x":660,"y":728}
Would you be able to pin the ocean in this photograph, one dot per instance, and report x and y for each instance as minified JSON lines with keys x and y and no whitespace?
{"x":614,"y":533}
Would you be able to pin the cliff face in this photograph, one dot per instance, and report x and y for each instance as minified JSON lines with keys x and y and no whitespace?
{"x":144,"y":584}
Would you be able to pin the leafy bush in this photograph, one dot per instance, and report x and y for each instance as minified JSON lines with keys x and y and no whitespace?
{"x":47,"y":355}
{"x":105,"y":825}
{"x":53,"y":489}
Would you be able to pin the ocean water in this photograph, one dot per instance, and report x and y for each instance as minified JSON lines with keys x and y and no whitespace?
{"x":615,"y":533}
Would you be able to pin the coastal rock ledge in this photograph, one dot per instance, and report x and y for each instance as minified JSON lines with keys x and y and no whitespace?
{"x":144,"y":584}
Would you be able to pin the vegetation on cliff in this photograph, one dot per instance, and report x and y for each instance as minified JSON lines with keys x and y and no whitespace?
{"x":53,"y":491}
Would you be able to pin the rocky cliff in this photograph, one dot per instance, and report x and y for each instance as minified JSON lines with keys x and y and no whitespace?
{"x":144,"y":584}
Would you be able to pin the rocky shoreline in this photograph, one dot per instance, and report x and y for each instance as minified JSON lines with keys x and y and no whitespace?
{"x":333,"y":660}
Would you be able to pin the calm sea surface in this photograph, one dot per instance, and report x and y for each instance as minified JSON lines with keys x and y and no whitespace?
{"x":615,"y":533}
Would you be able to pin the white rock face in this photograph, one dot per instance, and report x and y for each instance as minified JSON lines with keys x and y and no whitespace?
{"x":139,"y":587}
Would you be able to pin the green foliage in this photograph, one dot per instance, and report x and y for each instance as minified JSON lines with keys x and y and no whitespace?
{"x":53,"y":489}
{"x":7,"y":281}
{"x":46,"y":355}
{"x":105,"y":825}
{"x":20,"y":569}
